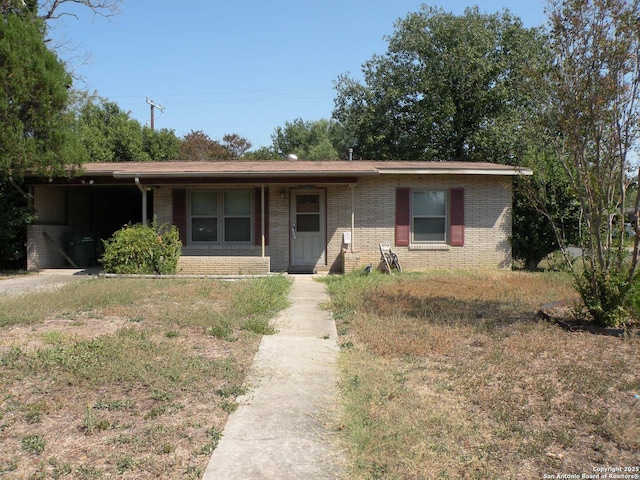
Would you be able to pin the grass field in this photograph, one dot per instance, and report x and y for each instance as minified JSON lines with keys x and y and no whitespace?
{"x":125,"y":378}
{"x":443,"y":375}
{"x":453,"y":376}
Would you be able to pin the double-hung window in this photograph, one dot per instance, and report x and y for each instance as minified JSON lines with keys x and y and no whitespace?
{"x":221,"y":216}
{"x":237,"y":215}
{"x":429,"y":216}
{"x":204,"y":216}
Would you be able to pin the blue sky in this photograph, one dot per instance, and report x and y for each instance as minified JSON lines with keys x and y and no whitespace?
{"x":237,"y":66}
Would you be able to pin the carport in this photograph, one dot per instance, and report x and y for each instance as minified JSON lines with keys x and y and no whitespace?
{"x":73,"y":218}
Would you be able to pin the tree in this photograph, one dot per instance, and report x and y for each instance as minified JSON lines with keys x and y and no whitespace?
{"x":15,"y":215}
{"x":108,"y":133}
{"x":236,"y":145}
{"x":35,"y":127}
{"x":160,"y":145}
{"x":547,"y":194}
{"x":449,"y":88}
{"x":318,"y":140}
{"x":263,"y":153}
{"x":592,"y":123}
{"x":197,"y":146}
{"x":55,"y":9}
{"x":19,"y":7}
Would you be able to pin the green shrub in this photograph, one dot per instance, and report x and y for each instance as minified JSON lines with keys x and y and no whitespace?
{"x":142,"y":249}
{"x":633,"y":298}
{"x":605,"y":296}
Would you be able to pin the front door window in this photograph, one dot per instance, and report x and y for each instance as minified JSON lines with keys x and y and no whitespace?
{"x":308,"y":213}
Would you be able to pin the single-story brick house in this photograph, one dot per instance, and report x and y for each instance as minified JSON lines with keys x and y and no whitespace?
{"x":257,"y":217}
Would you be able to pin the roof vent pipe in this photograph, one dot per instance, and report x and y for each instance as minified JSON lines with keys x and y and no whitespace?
{"x":350,"y":154}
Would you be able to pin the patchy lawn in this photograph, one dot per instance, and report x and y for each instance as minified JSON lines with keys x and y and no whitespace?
{"x":125,"y":377}
{"x":453,"y":375}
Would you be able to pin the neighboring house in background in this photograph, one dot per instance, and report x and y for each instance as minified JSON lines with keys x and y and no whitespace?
{"x":298,"y":216}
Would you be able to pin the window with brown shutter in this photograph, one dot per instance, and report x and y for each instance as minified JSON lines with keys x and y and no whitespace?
{"x":429,"y":216}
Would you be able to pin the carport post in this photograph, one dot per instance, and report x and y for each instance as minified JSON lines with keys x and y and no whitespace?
{"x":353,"y":215}
{"x":143,"y":190}
{"x":262,"y":240}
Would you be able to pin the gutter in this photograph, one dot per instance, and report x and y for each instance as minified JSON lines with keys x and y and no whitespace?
{"x":143,"y":190}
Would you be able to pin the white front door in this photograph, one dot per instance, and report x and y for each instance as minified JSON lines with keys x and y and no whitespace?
{"x":307,"y":235}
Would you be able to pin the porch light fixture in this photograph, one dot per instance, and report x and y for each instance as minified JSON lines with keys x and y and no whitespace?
{"x":282,"y":194}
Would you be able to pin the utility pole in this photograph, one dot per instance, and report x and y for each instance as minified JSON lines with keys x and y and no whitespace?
{"x":154,"y":105}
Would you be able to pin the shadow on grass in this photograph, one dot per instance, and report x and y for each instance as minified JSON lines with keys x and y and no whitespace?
{"x":450,"y":311}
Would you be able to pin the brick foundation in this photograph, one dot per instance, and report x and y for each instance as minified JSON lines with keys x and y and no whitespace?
{"x":204,"y":265}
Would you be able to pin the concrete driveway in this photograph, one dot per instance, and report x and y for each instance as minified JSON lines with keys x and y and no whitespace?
{"x":43,"y":280}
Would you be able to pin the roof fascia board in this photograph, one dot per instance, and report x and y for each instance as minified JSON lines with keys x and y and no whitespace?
{"x":455,"y":171}
{"x":288,"y":173}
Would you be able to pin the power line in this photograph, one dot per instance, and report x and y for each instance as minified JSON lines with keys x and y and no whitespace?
{"x":229,"y":92}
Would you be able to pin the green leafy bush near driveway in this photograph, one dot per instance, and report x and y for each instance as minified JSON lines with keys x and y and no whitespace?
{"x":142,"y":249}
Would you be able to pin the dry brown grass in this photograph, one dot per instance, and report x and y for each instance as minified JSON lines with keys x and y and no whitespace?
{"x":454,"y":376}
{"x":123,"y":378}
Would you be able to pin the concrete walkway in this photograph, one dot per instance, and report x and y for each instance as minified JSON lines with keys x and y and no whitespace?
{"x":286,"y":426}
{"x":46,"y":279}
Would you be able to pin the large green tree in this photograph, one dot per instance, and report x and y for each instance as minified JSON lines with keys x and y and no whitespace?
{"x":160,"y":145}
{"x":35,"y":125}
{"x":109,"y":134}
{"x":449,"y":87}
{"x":37,"y":130}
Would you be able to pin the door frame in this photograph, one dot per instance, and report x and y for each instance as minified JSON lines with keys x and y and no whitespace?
{"x":322,"y":260}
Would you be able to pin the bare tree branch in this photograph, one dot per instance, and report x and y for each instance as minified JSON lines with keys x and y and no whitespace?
{"x":55,"y":9}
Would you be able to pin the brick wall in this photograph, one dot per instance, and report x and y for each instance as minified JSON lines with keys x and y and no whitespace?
{"x":351,"y":262}
{"x":41,"y":253}
{"x":487,"y":222}
{"x":162,"y":211}
{"x":487,"y":226}
{"x":278,"y":248}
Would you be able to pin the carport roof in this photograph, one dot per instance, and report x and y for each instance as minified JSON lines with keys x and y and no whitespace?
{"x":246,"y":169}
